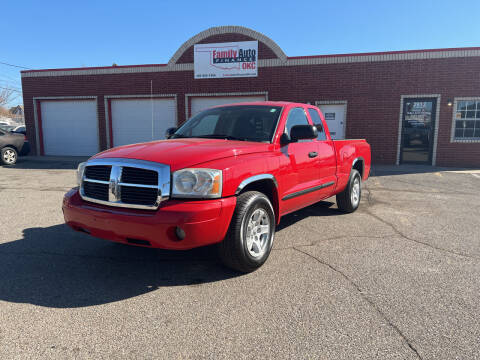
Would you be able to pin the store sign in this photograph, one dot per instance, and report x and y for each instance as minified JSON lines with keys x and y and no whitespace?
{"x":226,"y":60}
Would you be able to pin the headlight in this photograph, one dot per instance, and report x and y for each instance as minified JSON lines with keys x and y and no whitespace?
{"x":80,"y":171}
{"x":197,"y":183}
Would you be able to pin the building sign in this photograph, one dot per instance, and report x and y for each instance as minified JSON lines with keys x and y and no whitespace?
{"x":226,"y":60}
{"x":329,"y":116}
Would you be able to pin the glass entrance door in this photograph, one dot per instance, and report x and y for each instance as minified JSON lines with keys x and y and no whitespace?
{"x":418,"y":126}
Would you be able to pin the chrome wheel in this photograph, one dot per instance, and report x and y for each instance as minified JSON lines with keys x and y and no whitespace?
{"x":9,"y":156}
{"x":258,"y":233}
{"x":355,"y":196}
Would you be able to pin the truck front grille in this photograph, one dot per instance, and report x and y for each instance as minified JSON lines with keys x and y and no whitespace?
{"x":138,"y":196}
{"x":99,"y":172}
{"x":126,"y":183}
{"x":96,"y":190}
{"x":132,"y":175}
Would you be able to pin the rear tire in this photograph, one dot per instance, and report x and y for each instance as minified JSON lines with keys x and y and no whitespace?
{"x":250,"y":237}
{"x":349,"y":199}
{"x":8,"y":155}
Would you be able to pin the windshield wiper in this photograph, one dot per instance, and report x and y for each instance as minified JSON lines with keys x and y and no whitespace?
{"x":217,"y":136}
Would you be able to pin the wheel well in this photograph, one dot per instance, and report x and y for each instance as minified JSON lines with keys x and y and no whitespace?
{"x":267,"y":187}
{"x":359,"y":167}
{"x":10,"y":146}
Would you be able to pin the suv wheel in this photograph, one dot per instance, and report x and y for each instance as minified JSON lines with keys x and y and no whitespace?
{"x":9,"y":156}
{"x":250,"y":237}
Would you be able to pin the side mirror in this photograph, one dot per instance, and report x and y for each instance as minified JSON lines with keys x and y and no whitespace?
{"x":169,"y":132}
{"x":284,"y":139}
{"x":303,"y":132}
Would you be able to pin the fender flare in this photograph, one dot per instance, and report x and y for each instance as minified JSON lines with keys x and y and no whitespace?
{"x":254,"y":178}
{"x":360,"y":158}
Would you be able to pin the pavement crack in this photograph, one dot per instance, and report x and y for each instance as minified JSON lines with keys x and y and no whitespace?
{"x":402,"y":235}
{"x":441,"y":189}
{"x":371,"y":202}
{"x":369,"y":301}
{"x":411,"y":191}
{"x":314,"y":243}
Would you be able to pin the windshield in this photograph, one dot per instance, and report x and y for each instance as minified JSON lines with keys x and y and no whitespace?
{"x":241,"y":122}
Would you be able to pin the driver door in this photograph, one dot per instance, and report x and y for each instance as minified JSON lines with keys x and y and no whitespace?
{"x":301,"y":171}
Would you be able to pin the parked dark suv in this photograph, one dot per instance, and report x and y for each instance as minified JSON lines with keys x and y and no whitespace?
{"x":11,"y":145}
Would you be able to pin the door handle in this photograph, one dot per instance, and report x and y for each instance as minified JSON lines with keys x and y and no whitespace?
{"x":312,"y":154}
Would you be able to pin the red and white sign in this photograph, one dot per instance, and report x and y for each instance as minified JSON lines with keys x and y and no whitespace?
{"x":224,"y":60}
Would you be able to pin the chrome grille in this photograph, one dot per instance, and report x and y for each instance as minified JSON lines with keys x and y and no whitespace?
{"x":139,"y":196}
{"x":96,"y":190}
{"x":98,"y":172}
{"x":132,"y":175}
{"x":126,"y":183}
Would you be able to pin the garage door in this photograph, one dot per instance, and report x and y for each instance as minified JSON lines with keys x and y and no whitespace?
{"x":141,"y":120}
{"x":335,"y":118}
{"x":69,"y":127}
{"x":201,"y":103}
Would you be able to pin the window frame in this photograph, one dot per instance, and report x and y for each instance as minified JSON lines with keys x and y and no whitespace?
{"x":307,"y":116}
{"x":453,"y":139}
{"x":314,"y":124}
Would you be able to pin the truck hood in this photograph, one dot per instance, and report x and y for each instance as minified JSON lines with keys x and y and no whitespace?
{"x":182,"y":153}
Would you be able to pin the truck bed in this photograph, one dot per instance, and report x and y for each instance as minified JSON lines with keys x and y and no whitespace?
{"x":348,"y":151}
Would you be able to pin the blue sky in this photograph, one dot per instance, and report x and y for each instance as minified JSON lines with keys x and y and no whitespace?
{"x":51,"y":34}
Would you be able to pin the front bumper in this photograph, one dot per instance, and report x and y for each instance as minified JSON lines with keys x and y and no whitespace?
{"x":204,"y":222}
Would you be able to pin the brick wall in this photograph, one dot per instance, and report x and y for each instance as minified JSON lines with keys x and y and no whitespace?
{"x":373,"y":91}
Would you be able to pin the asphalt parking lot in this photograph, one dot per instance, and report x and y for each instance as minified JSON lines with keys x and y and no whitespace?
{"x":398,"y":279}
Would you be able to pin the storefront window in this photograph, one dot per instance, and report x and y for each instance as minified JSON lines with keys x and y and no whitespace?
{"x":467,"y":120}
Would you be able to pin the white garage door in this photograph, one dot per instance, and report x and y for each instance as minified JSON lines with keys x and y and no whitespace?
{"x":201,"y":103}
{"x":132,"y":119}
{"x":335,"y":118}
{"x":70,"y":127}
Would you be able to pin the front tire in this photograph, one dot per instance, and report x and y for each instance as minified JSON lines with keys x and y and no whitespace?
{"x":9,"y":155}
{"x":349,"y":199}
{"x":250,"y":237}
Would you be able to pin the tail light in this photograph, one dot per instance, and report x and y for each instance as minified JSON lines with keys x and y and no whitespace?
{"x":25,"y":138}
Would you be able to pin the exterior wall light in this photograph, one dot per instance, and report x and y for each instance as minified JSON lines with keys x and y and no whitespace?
{"x":449,"y":102}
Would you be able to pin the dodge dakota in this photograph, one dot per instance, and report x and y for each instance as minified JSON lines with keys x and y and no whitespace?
{"x":225,"y":177}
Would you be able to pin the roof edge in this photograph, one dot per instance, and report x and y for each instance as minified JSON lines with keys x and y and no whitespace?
{"x":384,"y":52}
{"x":167,"y":66}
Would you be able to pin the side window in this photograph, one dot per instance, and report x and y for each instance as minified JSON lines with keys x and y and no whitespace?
{"x":318,"y":123}
{"x":296,"y":116}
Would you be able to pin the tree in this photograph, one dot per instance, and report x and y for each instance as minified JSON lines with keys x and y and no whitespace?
{"x":7,"y":95}
{"x":4,"y":112}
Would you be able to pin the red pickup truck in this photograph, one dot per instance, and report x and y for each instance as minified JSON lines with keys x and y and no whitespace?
{"x":226,"y":176}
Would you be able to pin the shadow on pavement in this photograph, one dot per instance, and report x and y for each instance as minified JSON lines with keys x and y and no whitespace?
{"x":322,"y":208}
{"x":60,"y":268}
